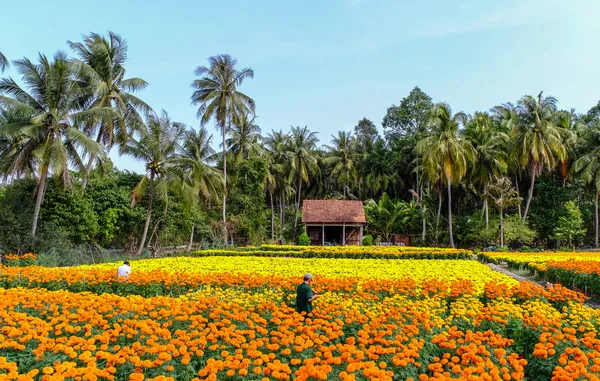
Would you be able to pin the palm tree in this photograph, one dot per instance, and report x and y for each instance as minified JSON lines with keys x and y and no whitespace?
{"x":101,"y":67}
{"x":10,"y":145}
{"x":302,"y":159}
{"x":387,"y":216}
{"x":157,"y":147}
{"x":276,"y":144}
{"x":3,"y":63}
{"x":588,"y":165}
{"x":571,"y":124}
{"x":244,"y":139}
{"x":506,"y":118}
{"x":271,"y":188}
{"x":537,"y":143}
{"x":217,"y":94}
{"x":431,"y":175}
{"x":342,"y":159}
{"x":447,"y":151}
{"x":489,"y":149}
{"x":46,"y":121}
{"x":378,"y":169}
{"x":195,"y":159}
{"x":198,"y":179}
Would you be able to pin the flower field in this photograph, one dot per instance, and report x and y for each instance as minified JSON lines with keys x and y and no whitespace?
{"x":575,"y":269}
{"x":536,"y":261}
{"x":27,"y":259}
{"x":176,"y":276}
{"x":361,"y":252}
{"x":580,"y":274}
{"x":232,"y":318}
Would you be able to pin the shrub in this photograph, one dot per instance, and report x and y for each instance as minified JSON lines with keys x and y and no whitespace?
{"x":517,"y":231}
{"x":367,"y":240}
{"x":303,"y":239}
{"x":570,"y":229}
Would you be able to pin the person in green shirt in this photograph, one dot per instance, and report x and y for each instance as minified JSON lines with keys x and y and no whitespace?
{"x":305,"y":295}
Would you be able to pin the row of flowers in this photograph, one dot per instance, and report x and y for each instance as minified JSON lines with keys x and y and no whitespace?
{"x":355,"y":249}
{"x":577,"y":270}
{"x":354,"y":271}
{"x":513,"y":333}
{"x":161,"y":283}
{"x":148,"y":279}
{"x":535,"y":260}
{"x":361,"y":252}
{"x":579,"y":274}
{"x":15,"y":260}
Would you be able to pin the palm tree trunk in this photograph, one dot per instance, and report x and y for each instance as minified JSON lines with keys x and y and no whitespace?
{"x":272,"y":217}
{"x":88,"y":168}
{"x":529,"y":197}
{"x":148,"y":216}
{"x":485,"y":207}
{"x":86,"y":174}
{"x":281,"y":214}
{"x":224,"y":187}
{"x":424,"y":232}
{"x":154,"y":235}
{"x":596,"y":220}
{"x":501,"y":227}
{"x":298,"y":201}
{"x":189,"y":248}
{"x":450,"y":214}
{"x":518,"y":194}
{"x":39,"y":199}
{"x":439,"y":210}
{"x":563,"y":169}
{"x":417,"y":184}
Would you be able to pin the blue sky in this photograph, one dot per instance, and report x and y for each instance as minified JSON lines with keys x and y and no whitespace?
{"x":329,"y":63}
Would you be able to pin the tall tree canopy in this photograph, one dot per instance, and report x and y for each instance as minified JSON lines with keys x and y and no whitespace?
{"x":157,"y":148}
{"x":446,"y":151}
{"x":45,"y":122}
{"x":410,"y":117}
{"x":537,"y":143}
{"x":100,"y":65}
{"x":219,"y":98}
{"x":64,"y":114}
{"x":3,"y":63}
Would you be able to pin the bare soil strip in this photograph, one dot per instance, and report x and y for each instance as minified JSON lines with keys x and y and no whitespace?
{"x":505,"y":271}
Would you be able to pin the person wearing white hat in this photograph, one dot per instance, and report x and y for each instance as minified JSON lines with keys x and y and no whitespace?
{"x":305,"y":295}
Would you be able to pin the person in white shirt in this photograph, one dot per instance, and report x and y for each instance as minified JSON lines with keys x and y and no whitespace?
{"x":124,"y":270}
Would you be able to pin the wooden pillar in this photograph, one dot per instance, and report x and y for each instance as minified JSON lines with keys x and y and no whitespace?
{"x":344,"y":234}
{"x":360,"y":237}
{"x":323,"y":236}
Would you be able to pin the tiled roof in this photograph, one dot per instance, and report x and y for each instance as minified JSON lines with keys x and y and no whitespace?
{"x":333,"y":211}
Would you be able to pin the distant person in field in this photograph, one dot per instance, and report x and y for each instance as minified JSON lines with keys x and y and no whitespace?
{"x":124,"y":270}
{"x":305,"y":295}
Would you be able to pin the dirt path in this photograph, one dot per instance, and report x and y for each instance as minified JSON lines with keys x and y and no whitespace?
{"x":505,"y":271}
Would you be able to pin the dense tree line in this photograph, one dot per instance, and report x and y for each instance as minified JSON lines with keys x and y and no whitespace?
{"x":520,"y":173}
